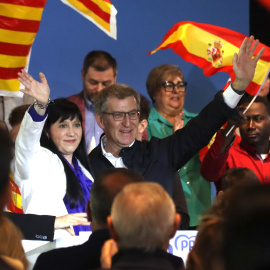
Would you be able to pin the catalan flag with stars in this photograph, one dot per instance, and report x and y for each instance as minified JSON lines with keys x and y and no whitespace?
{"x":19,"y":24}
{"x":100,"y":12}
{"x":212,"y":48}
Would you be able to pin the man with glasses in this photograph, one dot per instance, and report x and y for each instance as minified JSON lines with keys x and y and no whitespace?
{"x":166,"y":87}
{"x":160,"y":159}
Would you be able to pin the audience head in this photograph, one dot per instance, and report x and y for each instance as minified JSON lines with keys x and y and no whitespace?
{"x":143,"y":216}
{"x":206,"y":252}
{"x":10,"y":242}
{"x":99,"y":71}
{"x":255,"y":123}
{"x":246,"y":229}
{"x":15,"y":119}
{"x":143,"y":119}
{"x":5,"y":160}
{"x":166,"y":87}
{"x":238,"y":176}
{"x":106,"y":186}
{"x":117,"y":113}
{"x":232,"y":181}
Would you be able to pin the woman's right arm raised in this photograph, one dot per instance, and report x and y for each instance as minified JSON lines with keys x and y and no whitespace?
{"x":38,"y":90}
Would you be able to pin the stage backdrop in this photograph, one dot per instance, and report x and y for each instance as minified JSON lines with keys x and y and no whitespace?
{"x":65,"y":37}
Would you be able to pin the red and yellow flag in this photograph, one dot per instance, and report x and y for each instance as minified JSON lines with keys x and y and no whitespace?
{"x":265,"y":3}
{"x":100,"y":12}
{"x":212,"y":48}
{"x":15,"y":202}
{"x":19,"y":23}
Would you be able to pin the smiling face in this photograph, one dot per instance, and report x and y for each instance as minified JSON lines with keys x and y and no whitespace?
{"x":66,"y":136}
{"x":169,"y":103}
{"x":255,"y":130}
{"x":94,"y":81}
{"x":119,"y":133}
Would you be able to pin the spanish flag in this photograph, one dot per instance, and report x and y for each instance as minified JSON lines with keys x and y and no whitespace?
{"x":100,"y":12}
{"x":15,"y":202}
{"x":212,"y":48}
{"x":19,"y":24}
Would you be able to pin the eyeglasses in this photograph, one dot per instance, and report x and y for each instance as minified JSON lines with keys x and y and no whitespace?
{"x":120,"y":116}
{"x":170,"y":86}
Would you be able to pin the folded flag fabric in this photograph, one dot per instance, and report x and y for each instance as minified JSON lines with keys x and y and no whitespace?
{"x":212,"y":48}
{"x":100,"y":12}
{"x":265,"y":3}
{"x":15,"y":202}
{"x":19,"y":24}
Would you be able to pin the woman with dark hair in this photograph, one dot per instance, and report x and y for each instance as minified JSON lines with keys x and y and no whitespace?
{"x":51,"y":165}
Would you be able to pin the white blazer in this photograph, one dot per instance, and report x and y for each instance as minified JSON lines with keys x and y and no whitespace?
{"x":39,"y":173}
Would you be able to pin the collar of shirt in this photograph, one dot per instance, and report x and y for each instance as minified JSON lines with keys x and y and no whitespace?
{"x":116,"y":161}
{"x":156,"y":116}
{"x":88,"y":104}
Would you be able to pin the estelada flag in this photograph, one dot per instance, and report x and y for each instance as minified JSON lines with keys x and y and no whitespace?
{"x":212,"y":48}
{"x":100,"y":12}
{"x":19,"y":24}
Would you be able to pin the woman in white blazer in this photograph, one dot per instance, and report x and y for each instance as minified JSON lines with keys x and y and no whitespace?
{"x":51,"y":166}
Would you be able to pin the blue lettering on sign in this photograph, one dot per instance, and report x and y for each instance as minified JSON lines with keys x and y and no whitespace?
{"x":184,"y":242}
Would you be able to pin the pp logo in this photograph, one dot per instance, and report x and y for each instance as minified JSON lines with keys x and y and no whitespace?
{"x":184,"y":243}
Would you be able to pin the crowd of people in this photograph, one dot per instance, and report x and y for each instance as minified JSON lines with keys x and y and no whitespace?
{"x":104,"y":161}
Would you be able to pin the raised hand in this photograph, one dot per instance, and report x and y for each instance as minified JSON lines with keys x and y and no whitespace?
{"x":244,"y":63}
{"x":179,"y":123}
{"x":38,"y":90}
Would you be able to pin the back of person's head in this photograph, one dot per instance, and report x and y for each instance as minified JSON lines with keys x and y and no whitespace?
{"x":144,"y":108}
{"x":158,"y":75}
{"x":143,"y":216}
{"x":238,"y":176}
{"x":232,"y":180}
{"x":17,"y":114}
{"x":206,"y":252}
{"x":10,"y":241}
{"x":106,"y":186}
{"x":117,"y":90}
{"x":62,"y":109}
{"x":15,"y":119}
{"x":5,"y":160}
{"x":100,"y":61}
{"x":3,"y":125}
{"x":246,"y":229}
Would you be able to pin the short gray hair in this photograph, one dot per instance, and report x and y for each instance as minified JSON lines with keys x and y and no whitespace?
{"x":143,"y":216}
{"x":120,"y":91}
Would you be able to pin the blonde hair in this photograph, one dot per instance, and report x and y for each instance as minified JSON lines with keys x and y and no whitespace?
{"x":10,"y":241}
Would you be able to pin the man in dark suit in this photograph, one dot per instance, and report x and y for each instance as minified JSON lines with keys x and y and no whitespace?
{"x":87,"y":255}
